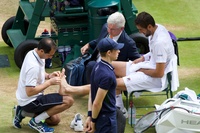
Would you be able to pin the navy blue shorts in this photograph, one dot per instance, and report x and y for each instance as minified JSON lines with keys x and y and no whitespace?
{"x":106,"y":123}
{"x":43,"y":103}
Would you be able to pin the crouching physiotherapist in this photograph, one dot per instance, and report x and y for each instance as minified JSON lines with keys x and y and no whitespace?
{"x":30,"y":95}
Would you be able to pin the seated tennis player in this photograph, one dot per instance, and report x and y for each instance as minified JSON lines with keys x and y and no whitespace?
{"x":149,"y":71}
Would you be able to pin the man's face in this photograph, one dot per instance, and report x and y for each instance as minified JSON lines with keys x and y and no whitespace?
{"x":48,"y":55}
{"x":113,"y":30}
{"x":145,"y":31}
{"x":114,"y":54}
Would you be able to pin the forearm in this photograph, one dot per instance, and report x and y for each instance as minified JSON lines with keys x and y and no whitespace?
{"x":153,"y":72}
{"x":149,"y":72}
{"x":141,"y":59}
{"x":95,"y":110}
{"x":89,"y":102}
{"x":37,"y":89}
{"x":97,"y":103}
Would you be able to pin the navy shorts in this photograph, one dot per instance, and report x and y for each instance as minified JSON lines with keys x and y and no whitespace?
{"x":43,"y":103}
{"x":106,"y":123}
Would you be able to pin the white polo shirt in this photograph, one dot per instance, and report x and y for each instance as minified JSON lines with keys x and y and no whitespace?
{"x":32,"y":74}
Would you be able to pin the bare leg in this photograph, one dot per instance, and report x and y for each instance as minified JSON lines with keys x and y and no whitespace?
{"x":119,"y":101}
{"x":121,"y":85}
{"x":120,"y":68}
{"x":120,"y":71}
{"x":66,"y":89}
{"x":53,"y":120}
{"x":67,"y":103}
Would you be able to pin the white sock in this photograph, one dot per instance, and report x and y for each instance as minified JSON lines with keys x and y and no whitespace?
{"x":42,"y":116}
{"x":26,"y":114}
{"x":119,"y":101}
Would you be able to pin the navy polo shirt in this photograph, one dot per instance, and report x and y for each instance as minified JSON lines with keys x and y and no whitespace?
{"x":104,"y":77}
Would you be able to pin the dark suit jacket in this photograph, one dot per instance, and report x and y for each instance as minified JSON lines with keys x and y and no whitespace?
{"x":128,"y":52}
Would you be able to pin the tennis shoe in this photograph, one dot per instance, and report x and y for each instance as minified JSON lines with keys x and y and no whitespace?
{"x":40,"y":127}
{"x":77,"y":123}
{"x":125,"y":112}
{"x":17,"y":117}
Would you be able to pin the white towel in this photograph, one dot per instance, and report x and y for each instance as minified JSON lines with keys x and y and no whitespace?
{"x":145,"y":64}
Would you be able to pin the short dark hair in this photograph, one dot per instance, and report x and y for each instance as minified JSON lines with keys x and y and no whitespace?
{"x":143,"y":19}
{"x":47,"y":44}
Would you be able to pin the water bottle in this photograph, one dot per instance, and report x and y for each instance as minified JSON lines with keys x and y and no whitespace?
{"x":61,"y":54}
{"x":45,"y":33}
{"x":67,"y":50}
{"x":131,"y":114}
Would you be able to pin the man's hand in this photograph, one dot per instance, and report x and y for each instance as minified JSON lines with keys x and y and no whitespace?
{"x":87,"y":126}
{"x":55,"y":80}
{"x":85,"y":48}
{"x":92,"y":129}
{"x":55,"y":74}
{"x":141,"y":59}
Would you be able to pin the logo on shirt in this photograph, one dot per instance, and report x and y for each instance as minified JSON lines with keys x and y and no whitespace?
{"x":159,"y":55}
{"x":128,"y":79}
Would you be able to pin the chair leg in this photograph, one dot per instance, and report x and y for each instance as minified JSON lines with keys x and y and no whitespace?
{"x":127,"y":102}
{"x":171,"y":94}
{"x":127,"y":99}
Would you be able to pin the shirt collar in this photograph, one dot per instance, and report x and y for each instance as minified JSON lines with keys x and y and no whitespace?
{"x":41,"y":61}
{"x":117,"y":37}
{"x":107,"y":64}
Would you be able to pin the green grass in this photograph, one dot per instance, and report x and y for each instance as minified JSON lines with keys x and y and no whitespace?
{"x":179,"y":16}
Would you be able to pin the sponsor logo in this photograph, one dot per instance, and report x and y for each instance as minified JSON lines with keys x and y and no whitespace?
{"x":190,"y":122}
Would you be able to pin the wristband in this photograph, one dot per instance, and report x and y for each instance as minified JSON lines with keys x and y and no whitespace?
{"x":94,"y":120}
{"x":89,"y":113}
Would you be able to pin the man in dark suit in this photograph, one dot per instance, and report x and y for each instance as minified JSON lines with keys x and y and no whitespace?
{"x":114,"y":28}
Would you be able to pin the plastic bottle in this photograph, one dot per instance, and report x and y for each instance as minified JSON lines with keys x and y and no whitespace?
{"x":67,"y":50}
{"x":45,"y":33}
{"x":131,"y":114}
{"x":61,"y":50}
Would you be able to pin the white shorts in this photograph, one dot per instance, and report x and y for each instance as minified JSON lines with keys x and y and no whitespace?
{"x":135,"y":81}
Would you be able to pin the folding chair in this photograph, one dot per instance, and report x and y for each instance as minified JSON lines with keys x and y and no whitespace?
{"x":166,"y":92}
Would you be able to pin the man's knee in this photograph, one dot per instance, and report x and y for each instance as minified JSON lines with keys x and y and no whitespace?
{"x":68,"y":101}
{"x":53,"y":120}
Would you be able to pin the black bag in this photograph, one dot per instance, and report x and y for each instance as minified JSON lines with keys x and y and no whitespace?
{"x":74,"y":70}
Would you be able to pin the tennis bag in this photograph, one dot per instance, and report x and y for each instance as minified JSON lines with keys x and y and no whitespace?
{"x":74,"y":70}
{"x":185,"y":119}
{"x":172,"y":116}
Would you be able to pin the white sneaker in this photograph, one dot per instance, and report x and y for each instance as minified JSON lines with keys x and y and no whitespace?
{"x":125,"y":112}
{"x":77,"y":123}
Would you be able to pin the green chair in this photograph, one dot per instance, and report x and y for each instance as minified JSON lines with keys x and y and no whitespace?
{"x":166,"y":92}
